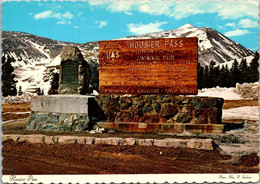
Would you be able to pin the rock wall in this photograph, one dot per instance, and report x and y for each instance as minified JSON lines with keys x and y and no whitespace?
{"x":64,"y":113}
{"x":161,"y":109}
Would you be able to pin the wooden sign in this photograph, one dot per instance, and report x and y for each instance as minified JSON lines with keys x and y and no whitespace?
{"x":148,"y":66}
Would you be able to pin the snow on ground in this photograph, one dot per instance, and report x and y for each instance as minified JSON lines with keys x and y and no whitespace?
{"x":226,"y":93}
{"x":246,"y":113}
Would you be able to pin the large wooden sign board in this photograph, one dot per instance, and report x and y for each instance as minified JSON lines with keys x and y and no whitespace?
{"x":148,"y":66}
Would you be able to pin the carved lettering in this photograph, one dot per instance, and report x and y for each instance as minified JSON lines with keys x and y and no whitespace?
{"x":148,"y":66}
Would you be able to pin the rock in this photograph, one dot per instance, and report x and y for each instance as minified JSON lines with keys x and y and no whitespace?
{"x":41,"y":117}
{"x":147,"y":108}
{"x":10,"y":137}
{"x":182,"y":118}
{"x":75,"y":72}
{"x":176,"y":142}
{"x":161,"y":143}
{"x":65,"y":127}
{"x":248,"y":90}
{"x":50,"y":140}
{"x":129,"y":141}
{"x":35,"y":138}
{"x":145,"y":142}
{"x":157,"y":107}
{"x":80,"y":140}
{"x":124,"y":116}
{"x":109,"y":141}
{"x":125,"y":102}
{"x":31,"y":125}
{"x":47,"y":126}
{"x":200,"y":144}
{"x":185,"y":108}
{"x":111,"y":113}
{"x":79,"y":125}
{"x":168,"y":110}
{"x":66,"y":139}
{"x":89,"y":140}
{"x":53,"y":118}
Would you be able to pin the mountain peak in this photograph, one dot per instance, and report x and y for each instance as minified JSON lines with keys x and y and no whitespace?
{"x":187,"y":26}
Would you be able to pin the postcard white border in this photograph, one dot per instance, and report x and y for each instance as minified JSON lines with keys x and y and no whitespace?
{"x":133,"y":178}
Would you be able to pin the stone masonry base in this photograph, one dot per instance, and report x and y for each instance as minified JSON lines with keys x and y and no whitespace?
{"x":163,"y":127}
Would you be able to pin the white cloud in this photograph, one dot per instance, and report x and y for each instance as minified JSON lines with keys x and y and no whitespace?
{"x":182,"y":9}
{"x":76,"y":27}
{"x":247,"y":23}
{"x":63,"y":18}
{"x":68,"y":15}
{"x":231,"y":24}
{"x":128,"y":13}
{"x":101,"y":23}
{"x":145,"y":28}
{"x":43,"y":15}
{"x":57,"y":15}
{"x":80,"y":13}
{"x":237,"y":32}
{"x":64,"y":22}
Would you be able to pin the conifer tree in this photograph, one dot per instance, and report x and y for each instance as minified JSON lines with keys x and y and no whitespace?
{"x":206,"y":77}
{"x":211,"y":82}
{"x":254,"y":74}
{"x":235,"y":75}
{"x":8,"y":77}
{"x":244,"y":71}
{"x":200,"y":76}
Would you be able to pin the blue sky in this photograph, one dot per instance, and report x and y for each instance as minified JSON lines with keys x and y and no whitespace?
{"x":84,"y":21}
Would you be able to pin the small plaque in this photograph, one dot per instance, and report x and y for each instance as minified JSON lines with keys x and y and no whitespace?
{"x":148,"y":66}
{"x":69,"y":72}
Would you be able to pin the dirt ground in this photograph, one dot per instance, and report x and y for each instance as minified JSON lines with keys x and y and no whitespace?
{"x":26,"y":158}
{"x":14,"y":110}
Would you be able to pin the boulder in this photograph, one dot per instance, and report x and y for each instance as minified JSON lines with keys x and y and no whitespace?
{"x":75,"y":72}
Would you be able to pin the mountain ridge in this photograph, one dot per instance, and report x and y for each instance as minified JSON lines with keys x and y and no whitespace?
{"x":33,"y":53}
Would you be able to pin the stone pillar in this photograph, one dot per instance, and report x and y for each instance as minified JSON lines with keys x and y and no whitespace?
{"x":75,"y":73}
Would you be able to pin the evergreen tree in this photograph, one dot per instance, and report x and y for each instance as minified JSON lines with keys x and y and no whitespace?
{"x":228,"y":77}
{"x":211,"y":77}
{"x":8,"y":77}
{"x":206,"y":77}
{"x":222,"y":80}
{"x":216,"y":75}
{"x":235,"y":75}
{"x":254,"y":74}
{"x":244,"y":71}
{"x":200,"y":76}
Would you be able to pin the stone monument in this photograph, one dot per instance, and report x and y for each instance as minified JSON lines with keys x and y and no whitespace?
{"x":69,"y":110}
{"x":75,"y":72}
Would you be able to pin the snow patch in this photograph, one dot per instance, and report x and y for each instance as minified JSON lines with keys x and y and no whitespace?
{"x":226,"y":93}
{"x":245,"y":113}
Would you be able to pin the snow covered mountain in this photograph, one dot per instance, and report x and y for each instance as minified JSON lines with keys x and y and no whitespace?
{"x":212,"y":45}
{"x":33,"y":54}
